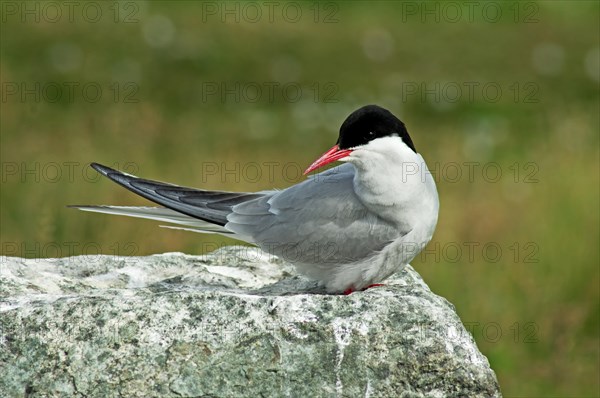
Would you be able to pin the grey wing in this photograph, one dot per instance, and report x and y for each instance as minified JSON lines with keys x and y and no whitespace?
{"x":318,"y":221}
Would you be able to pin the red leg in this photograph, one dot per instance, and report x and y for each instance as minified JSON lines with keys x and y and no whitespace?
{"x":351,"y":290}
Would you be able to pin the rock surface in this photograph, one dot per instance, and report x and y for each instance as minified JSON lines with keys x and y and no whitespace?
{"x":234,"y":323}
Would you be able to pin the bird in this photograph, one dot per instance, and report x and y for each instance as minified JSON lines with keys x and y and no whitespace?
{"x":349,"y":227}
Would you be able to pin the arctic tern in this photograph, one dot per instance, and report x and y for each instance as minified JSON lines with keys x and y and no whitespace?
{"x":349,"y":227}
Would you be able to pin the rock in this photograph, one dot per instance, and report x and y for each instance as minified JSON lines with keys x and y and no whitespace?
{"x":234,"y":323}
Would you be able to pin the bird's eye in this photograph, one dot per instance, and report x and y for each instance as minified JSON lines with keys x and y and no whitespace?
{"x":371,"y":134}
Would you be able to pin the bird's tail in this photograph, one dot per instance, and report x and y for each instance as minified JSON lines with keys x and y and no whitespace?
{"x":190,"y":209}
{"x":162,"y":214}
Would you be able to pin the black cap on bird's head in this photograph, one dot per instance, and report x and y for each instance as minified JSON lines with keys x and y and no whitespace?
{"x":361,"y":127}
{"x":371,"y":122}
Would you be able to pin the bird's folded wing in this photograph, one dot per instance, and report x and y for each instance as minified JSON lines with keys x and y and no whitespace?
{"x":318,"y":221}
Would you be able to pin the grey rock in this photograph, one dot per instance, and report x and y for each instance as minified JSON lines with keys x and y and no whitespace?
{"x":234,"y":323}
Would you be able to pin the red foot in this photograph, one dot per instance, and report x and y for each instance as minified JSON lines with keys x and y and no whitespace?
{"x":374,"y":285}
{"x":350,"y":290}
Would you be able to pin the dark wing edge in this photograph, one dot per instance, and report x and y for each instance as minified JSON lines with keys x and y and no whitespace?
{"x":209,"y":206}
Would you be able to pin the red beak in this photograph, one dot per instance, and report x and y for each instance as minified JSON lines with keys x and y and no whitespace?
{"x":331,"y":155}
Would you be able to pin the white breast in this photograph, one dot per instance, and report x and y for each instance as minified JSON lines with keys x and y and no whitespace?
{"x":394,"y":182}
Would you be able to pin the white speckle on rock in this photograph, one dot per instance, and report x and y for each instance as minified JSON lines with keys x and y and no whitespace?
{"x":342,"y":332}
{"x":368,"y":389}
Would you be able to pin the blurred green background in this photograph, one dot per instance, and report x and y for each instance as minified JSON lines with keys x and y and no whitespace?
{"x":502,"y":100}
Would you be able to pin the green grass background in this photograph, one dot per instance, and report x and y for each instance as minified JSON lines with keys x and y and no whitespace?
{"x":546,"y":309}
